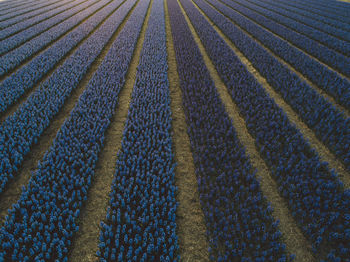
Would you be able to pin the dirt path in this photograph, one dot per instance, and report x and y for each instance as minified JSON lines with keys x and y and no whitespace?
{"x":85,"y":244}
{"x":193,"y":243}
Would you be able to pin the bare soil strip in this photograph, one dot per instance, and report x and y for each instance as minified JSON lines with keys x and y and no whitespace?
{"x":85,"y":244}
{"x":276,"y":56}
{"x":191,"y":229}
{"x":292,"y":236}
{"x":324,"y":153}
{"x":11,"y":109}
{"x":13,"y":192}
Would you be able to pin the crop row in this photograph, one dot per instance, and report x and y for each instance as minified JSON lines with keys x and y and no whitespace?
{"x":14,"y":86}
{"x":305,"y":14}
{"x":327,"y":79}
{"x":329,"y":124}
{"x":22,"y":10}
{"x":338,"y":7}
{"x":140,"y":223}
{"x":42,"y":223}
{"x":323,"y":26}
{"x":14,"y":7}
{"x":24,"y":52}
{"x":33,"y":15}
{"x":20,"y":23}
{"x":239,"y":223}
{"x":341,"y":46}
{"x":22,"y":129}
{"x":323,"y":53}
{"x":6,"y":5}
{"x":318,"y":9}
{"x":48,"y":30}
{"x":314,"y":194}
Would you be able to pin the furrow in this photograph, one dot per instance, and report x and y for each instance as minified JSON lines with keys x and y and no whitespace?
{"x":95,"y":209}
{"x":193,"y":242}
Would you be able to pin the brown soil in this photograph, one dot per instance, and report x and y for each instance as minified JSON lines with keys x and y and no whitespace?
{"x":85,"y":244}
{"x":324,"y":153}
{"x":14,"y":189}
{"x":193,"y":244}
{"x":292,"y":236}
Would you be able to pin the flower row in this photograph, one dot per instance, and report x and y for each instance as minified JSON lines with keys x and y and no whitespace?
{"x":30,"y":40}
{"x":12,"y":26}
{"x":140,"y":223}
{"x":314,"y":194}
{"x":20,"y":131}
{"x":329,"y":124}
{"x":328,"y":26}
{"x":14,"y":86}
{"x":41,"y":225}
{"x":321,"y":75}
{"x":240,"y":226}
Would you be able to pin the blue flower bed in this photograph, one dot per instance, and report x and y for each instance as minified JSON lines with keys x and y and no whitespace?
{"x":329,"y":124}
{"x":63,"y":22}
{"x":41,"y":225}
{"x":24,"y":21}
{"x":314,"y":16}
{"x":140,"y":223}
{"x":22,"y":129}
{"x":319,"y":9}
{"x":327,"y":79}
{"x":290,"y":54}
{"x":338,"y":7}
{"x":314,"y":194}
{"x":239,"y":223}
{"x":302,"y":34}
{"x":18,"y":10}
{"x":328,"y":26}
{"x":14,"y":86}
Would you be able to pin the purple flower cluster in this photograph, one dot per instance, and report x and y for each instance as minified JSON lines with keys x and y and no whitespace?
{"x":329,"y":124}
{"x":30,"y":41}
{"x":41,"y":225}
{"x":21,"y":130}
{"x":314,"y":194}
{"x":240,"y":226}
{"x":12,"y":26}
{"x":14,"y":86}
{"x":328,"y":26}
{"x":327,"y":79}
{"x":140,"y":223}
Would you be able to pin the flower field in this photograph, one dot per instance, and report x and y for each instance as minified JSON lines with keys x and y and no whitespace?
{"x":175,"y":130}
